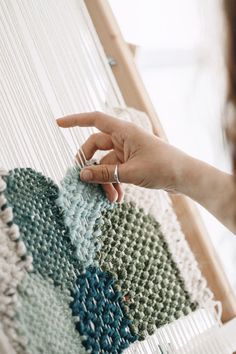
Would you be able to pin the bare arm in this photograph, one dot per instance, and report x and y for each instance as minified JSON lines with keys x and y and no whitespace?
{"x":210,"y":187}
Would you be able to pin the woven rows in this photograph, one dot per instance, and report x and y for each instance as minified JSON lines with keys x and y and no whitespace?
{"x":42,"y":229}
{"x":158,"y":204}
{"x":135,"y":252}
{"x":46,"y":319}
{"x":49,"y":241}
{"x":150,"y":201}
{"x":82,"y":207}
{"x":130,"y":245}
{"x":13,"y":266}
{"x":112,"y":260}
{"x":102,"y":315}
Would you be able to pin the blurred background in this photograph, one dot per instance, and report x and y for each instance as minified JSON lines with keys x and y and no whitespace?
{"x":180,"y":56}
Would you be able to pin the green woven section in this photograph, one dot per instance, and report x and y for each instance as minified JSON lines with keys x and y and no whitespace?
{"x":135,"y":252}
{"x":45,"y":318}
{"x":33,"y":198}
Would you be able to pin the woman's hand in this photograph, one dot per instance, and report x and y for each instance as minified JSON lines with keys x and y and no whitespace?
{"x":144,"y":159}
{"x":148,"y":161}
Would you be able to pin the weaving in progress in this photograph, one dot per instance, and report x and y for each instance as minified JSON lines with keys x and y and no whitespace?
{"x":106,"y":265}
{"x":77,"y":273}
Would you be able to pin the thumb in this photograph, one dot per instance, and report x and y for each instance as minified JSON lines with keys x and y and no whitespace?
{"x":101,"y":173}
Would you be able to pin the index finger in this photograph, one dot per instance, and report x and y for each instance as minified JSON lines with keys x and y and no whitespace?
{"x":101,"y":121}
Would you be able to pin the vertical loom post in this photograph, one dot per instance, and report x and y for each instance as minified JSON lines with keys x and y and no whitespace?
{"x":136,"y":96}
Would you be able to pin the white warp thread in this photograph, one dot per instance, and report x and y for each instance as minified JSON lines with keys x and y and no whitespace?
{"x":52,"y":64}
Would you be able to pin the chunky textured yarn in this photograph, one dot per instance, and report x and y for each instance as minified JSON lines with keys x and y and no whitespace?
{"x":135,"y":252}
{"x":45,"y":316}
{"x":56,"y":263}
{"x":41,"y":224}
{"x":14,"y":263}
{"x":5,"y":344}
{"x":103,"y":320}
{"x":83,"y":206}
{"x":112,"y":260}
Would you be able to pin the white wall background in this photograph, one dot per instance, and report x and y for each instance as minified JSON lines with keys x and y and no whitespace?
{"x":181,"y":60}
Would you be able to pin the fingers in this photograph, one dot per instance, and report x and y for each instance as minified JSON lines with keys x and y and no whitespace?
{"x":110,"y":159}
{"x":101,"y":121}
{"x":97,"y":141}
{"x":98,"y":174}
{"x":104,"y":174}
{"x":118,"y":188}
{"x":113,"y":191}
{"x":101,"y":173}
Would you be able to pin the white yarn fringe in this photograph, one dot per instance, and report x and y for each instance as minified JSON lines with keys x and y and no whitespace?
{"x":12,"y":270}
{"x":158,"y":204}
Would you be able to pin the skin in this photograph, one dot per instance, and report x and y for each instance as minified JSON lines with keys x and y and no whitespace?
{"x":148,"y":161}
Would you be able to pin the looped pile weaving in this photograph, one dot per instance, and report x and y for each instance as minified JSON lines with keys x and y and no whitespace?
{"x":103,"y":275}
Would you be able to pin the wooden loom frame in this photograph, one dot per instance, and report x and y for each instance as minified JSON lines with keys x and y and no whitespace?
{"x":135,"y":95}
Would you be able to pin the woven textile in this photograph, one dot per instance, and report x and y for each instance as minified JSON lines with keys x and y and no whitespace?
{"x":82,"y":207}
{"x":157,"y":203}
{"x":42,"y":229}
{"x":46,"y":319}
{"x":102,"y":272}
{"x":135,"y":252}
{"x":13,"y":266}
{"x":133,"y":249}
{"x":102,"y":314}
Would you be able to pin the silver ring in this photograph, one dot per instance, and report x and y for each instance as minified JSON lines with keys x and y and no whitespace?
{"x":116,"y":175}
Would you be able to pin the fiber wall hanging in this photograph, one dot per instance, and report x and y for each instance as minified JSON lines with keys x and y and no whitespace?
{"x":78,"y":274}
{"x":103,"y":275}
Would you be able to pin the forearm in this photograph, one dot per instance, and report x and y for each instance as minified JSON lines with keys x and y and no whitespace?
{"x":210,"y":187}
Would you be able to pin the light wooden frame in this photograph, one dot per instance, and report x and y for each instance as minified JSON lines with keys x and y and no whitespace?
{"x":135,"y":96}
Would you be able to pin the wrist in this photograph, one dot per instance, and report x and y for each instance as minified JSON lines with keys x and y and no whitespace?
{"x":182,"y":173}
{"x":189,"y":176}
{"x":210,"y":187}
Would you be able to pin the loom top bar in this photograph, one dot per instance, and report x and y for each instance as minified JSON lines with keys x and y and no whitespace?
{"x":135,"y":95}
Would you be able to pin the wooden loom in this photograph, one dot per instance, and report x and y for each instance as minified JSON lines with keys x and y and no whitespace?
{"x":135,"y":96}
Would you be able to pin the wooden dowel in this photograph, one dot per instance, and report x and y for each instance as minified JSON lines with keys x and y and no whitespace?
{"x":136,"y":96}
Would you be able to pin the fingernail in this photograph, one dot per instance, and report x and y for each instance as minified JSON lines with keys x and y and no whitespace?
{"x":86,"y":175}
